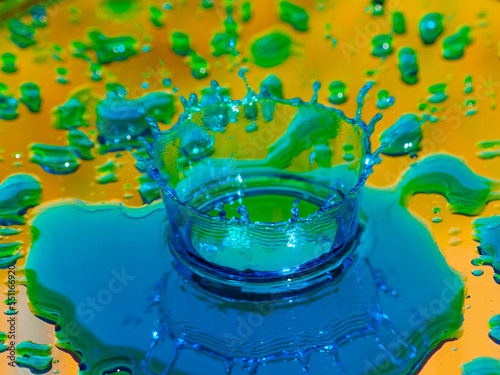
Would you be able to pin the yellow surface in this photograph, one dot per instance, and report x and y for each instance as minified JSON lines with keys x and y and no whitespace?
{"x":313,"y":59}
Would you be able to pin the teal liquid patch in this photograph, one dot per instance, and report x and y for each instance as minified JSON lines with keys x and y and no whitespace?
{"x":91,"y":309}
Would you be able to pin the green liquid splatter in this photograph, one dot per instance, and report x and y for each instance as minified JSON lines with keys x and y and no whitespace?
{"x":378,"y":7}
{"x":246,"y":11}
{"x":207,"y":4}
{"x":8,"y":107}
{"x":120,"y":6}
{"x":20,"y":34}
{"x":70,"y":115}
{"x":9,"y":63}
{"x":271,"y":50}
{"x":408,"y":65}
{"x":494,"y":324}
{"x":81,"y":144}
{"x":120,"y":120}
{"x":438,"y":93}
{"x":180,"y":43}
{"x":466,"y":192}
{"x":54,"y":159}
{"x":431,"y":27}
{"x":18,"y":192}
{"x":30,"y":96}
{"x":273,"y":85}
{"x":404,"y":136}
{"x":36,"y":357}
{"x":337,"y":92}
{"x":468,"y":85}
{"x":294,"y":15}
{"x":384,"y":99}
{"x":225,"y":43}
{"x":149,"y":189}
{"x":112,"y":49}
{"x":399,"y":23}
{"x":156,"y":16}
{"x":487,"y":234}
{"x":39,"y":15}
{"x":382,"y":46}
{"x":482,"y":366}
{"x":454,"y":45}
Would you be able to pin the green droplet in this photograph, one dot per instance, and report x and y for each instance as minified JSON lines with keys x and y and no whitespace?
{"x":9,"y":63}
{"x":271,"y":50}
{"x":382,"y":46}
{"x":70,"y":115}
{"x":337,"y":92}
{"x":79,"y":49}
{"x":477,"y":272}
{"x":384,"y":99}
{"x":198,"y":65}
{"x":30,"y":96}
{"x":294,"y":15}
{"x":207,"y":4}
{"x":156,"y":16}
{"x":438,"y":93}
{"x":437,"y":220}
{"x":403,"y":137}
{"x":398,"y":20}
{"x":225,"y":43}
{"x":454,"y":45}
{"x":180,"y":43}
{"x":149,"y":189}
{"x":81,"y":144}
{"x":468,"y":85}
{"x":120,"y":6}
{"x":431,"y":26}
{"x":21,"y":35}
{"x":378,"y":7}
{"x":8,"y":107}
{"x":274,"y":85}
{"x":246,"y":11}
{"x":112,"y":49}
{"x":39,"y":15}
{"x":54,"y":159}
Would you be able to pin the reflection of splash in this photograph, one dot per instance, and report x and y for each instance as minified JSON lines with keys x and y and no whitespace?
{"x":378,"y":316}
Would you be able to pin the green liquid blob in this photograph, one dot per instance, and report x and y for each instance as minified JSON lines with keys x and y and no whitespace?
{"x":30,"y":96}
{"x":112,"y":49}
{"x":271,"y":50}
{"x":408,"y":65}
{"x":54,"y":159}
{"x":431,"y":27}
{"x":9,"y":63}
{"x":18,"y":192}
{"x":399,"y":23}
{"x":337,"y":92}
{"x":294,"y":15}
{"x":454,"y":45}
{"x":382,"y":46}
